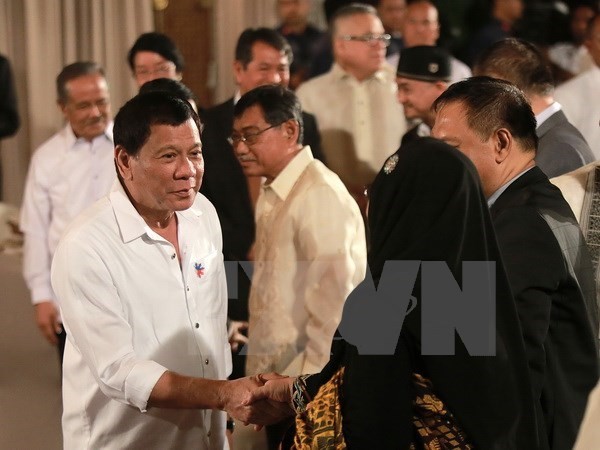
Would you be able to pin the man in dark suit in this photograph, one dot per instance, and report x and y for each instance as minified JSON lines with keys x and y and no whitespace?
{"x":543,"y":250}
{"x":561,"y":148}
{"x":262,"y":56}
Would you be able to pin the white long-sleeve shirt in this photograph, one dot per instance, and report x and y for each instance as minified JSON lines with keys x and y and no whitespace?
{"x":66,"y":175}
{"x":132,"y":312}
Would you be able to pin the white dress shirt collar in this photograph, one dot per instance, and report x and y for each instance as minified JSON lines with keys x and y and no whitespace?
{"x":546,"y":113}
{"x":71,"y":139}
{"x":381,"y":75}
{"x":284,"y":182}
{"x":129,"y":221}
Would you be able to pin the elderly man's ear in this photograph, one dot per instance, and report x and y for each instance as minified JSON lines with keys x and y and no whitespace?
{"x":291,"y":129}
{"x":123,"y":162}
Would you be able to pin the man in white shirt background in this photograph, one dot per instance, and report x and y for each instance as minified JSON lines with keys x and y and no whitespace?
{"x":310,"y":249}
{"x":580,"y":96}
{"x":67,"y":173}
{"x":360,"y":120}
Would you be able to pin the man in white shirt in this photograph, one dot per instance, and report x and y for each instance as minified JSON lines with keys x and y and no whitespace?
{"x":310,"y":249}
{"x":67,"y":173}
{"x":580,"y":96}
{"x":359,"y":118}
{"x":141,"y":285}
{"x":561,"y":147}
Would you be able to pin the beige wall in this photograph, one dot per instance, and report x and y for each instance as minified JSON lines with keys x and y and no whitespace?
{"x":40,"y":37}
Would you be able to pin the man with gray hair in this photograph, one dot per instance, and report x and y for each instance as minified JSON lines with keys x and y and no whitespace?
{"x":67,"y":173}
{"x":359,"y":118}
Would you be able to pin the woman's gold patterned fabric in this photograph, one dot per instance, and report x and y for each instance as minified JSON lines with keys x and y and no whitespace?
{"x":320,"y":427}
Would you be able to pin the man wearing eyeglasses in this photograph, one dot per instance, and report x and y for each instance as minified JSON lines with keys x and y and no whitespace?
{"x":262,"y":56}
{"x":310,"y":248}
{"x":154,"y":55}
{"x":359,"y":118}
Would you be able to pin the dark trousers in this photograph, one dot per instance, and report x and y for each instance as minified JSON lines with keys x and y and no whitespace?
{"x":60,"y":346}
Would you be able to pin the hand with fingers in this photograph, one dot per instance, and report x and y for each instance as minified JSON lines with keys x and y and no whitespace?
{"x":236,"y":335}
{"x":46,"y":317}
{"x":240,"y":402}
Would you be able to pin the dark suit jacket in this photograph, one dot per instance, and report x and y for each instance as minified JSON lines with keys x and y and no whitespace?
{"x":561,"y":148}
{"x":9,"y":117}
{"x":550,"y":273}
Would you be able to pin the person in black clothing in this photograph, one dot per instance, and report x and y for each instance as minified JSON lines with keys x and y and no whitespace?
{"x":9,"y":115}
{"x":546,"y":258}
{"x":412,"y":218}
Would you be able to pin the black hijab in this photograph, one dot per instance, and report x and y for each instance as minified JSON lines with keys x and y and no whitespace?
{"x":427,"y":205}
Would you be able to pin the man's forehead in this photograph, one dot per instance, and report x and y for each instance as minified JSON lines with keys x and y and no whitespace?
{"x":359,"y":23}
{"x":189,"y":124}
{"x":251,"y":117}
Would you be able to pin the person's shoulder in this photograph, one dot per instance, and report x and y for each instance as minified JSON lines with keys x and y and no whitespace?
{"x":204,"y":207}
{"x":316,"y":83}
{"x":52,"y":148}
{"x":576,"y":83}
{"x":320,"y":179}
{"x":578,"y":176}
{"x":94,"y":224}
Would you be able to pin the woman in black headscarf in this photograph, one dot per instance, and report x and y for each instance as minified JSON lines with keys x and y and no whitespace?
{"x":426,"y":205}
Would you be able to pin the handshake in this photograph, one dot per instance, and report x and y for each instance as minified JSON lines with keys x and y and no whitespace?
{"x":263,"y":399}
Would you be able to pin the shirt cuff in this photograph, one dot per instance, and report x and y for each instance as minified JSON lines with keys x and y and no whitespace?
{"x":40,"y":294}
{"x":140,"y":382}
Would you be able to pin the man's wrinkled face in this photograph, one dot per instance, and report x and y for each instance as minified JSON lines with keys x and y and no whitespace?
{"x":268,"y":66}
{"x":417,"y":96}
{"x":166,"y":173}
{"x":258,"y":145}
{"x":87,"y":107}
{"x":358,"y":56}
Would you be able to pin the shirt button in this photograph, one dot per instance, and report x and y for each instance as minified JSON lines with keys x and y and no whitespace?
{"x":206,"y":361}
{"x":187,"y":288}
{"x":197,"y":325}
{"x":173,"y":256}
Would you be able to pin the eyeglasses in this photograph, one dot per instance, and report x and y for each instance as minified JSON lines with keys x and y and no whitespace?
{"x":248,"y":139}
{"x":371,"y":39}
{"x":163,"y":69}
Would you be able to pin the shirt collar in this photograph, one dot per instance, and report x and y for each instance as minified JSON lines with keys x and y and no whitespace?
{"x":284,"y":182}
{"x":381,"y":75}
{"x":129,"y":221}
{"x":546,"y":113}
{"x":72,"y":139}
{"x":492,"y":199}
